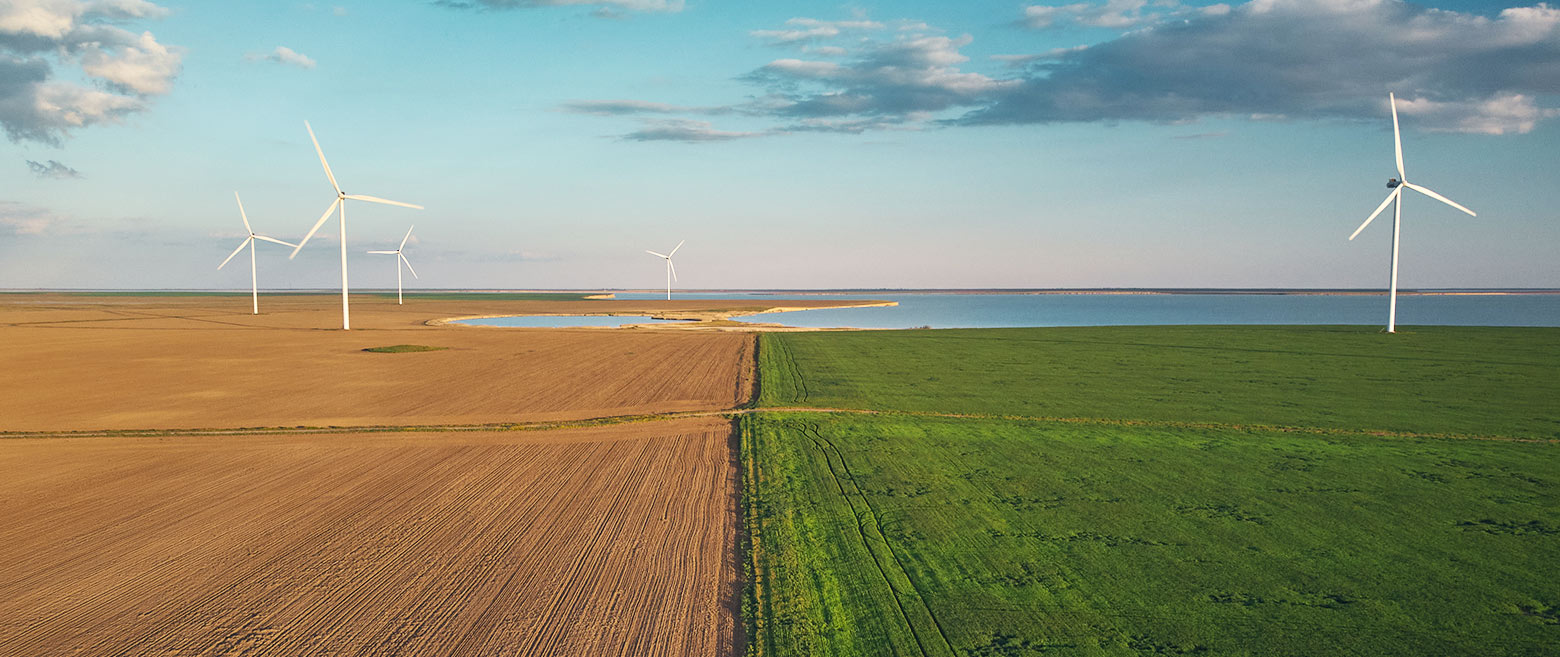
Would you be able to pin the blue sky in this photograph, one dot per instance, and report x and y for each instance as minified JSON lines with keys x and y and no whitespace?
{"x":794,"y":145}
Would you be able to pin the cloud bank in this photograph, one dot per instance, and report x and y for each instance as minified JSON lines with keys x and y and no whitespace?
{"x":1264,"y":59}
{"x":1304,"y":59}
{"x":125,"y":68}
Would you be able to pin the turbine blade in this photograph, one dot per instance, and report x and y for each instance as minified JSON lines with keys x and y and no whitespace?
{"x":672,"y":267}
{"x":403,"y":240}
{"x":323,"y":163}
{"x":376,"y":199}
{"x":408,"y":264}
{"x":317,"y":224}
{"x":1379,"y":208}
{"x":674,"y":250}
{"x":235,"y":252}
{"x":1427,"y":192}
{"x":272,"y":239}
{"x":1397,"y":137}
{"x":241,"y":214}
{"x":383,"y":252}
{"x":658,"y":255}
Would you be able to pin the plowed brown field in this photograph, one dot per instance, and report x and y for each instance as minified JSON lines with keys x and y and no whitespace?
{"x":609,"y":540}
{"x":204,"y":362}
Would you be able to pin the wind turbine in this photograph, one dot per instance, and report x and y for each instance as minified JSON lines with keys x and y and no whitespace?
{"x":1395,"y":197}
{"x":400,"y":258}
{"x":671,"y":269}
{"x":254,"y":283}
{"x":340,"y":204}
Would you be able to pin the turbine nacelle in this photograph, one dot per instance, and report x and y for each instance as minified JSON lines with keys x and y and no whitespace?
{"x":1392,"y":183}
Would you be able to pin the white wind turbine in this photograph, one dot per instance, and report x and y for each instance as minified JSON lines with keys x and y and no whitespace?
{"x":1395,"y":197}
{"x":254,"y":282}
{"x":340,"y":204}
{"x":671,"y":270}
{"x":400,"y":258}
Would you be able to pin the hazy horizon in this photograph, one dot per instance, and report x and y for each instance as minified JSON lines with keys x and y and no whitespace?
{"x":807,"y":145}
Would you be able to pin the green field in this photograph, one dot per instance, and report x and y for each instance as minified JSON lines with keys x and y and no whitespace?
{"x":1169,"y":524}
{"x":1475,"y":381}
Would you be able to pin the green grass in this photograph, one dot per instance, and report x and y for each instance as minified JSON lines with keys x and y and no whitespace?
{"x":894,"y":535}
{"x":1174,"y":521}
{"x":1481,"y":381}
{"x":403,"y":348}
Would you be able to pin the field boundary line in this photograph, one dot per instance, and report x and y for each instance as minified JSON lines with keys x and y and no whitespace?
{"x":605,"y":420}
{"x":1169,"y":424}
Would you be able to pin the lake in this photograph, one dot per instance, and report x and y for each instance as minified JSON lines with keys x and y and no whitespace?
{"x":941,"y":310}
{"x":1011,"y":310}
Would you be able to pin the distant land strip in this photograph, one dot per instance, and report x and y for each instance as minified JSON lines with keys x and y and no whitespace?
{"x":608,"y":293}
{"x":734,"y":412}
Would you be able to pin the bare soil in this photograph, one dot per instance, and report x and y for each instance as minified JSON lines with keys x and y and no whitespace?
{"x":608,"y":540}
{"x":75,"y":363}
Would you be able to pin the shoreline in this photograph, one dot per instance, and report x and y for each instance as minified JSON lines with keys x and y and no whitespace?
{"x":707,"y":320}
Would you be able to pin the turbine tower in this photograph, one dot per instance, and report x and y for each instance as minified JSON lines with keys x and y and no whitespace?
{"x":254,"y":282}
{"x":400,"y":258}
{"x":671,"y":270}
{"x":1395,"y":197}
{"x":340,"y":204}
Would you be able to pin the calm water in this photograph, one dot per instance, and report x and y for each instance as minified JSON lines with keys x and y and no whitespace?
{"x":554,"y":321}
{"x":1007,"y":310}
{"x":1004,"y":310}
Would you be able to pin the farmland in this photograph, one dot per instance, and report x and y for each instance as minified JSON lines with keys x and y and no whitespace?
{"x":178,"y":476}
{"x":206,"y":363}
{"x":565,"y":542}
{"x":1151,"y":517}
{"x":1459,"y":380}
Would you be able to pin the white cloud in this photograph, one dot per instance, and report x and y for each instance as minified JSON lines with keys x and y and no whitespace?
{"x":142,"y":66}
{"x":1114,"y":14}
{"x":1502,"y":114}
{"x":811,"y":29}
{"x":283,"y":55}
{"x":38,"y":35}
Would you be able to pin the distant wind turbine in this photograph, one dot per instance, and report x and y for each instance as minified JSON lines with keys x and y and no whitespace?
{"x":254,"y":282}
{"x":400,"y":258}
{"x":340,"y":204}
{"x":671,"y":270}
{"x":1395,"y":197}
